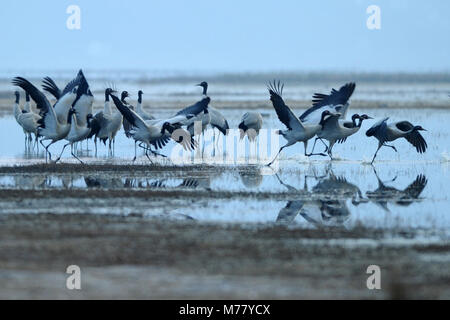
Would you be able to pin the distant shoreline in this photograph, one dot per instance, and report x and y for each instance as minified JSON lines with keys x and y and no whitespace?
{"x":293,"y":77}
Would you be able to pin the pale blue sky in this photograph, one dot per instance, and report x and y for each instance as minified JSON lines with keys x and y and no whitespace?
{"x":232,"y":35}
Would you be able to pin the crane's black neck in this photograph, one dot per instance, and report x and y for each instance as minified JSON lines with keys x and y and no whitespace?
{"x":322,"y":119}
{"x":360,"y":122}
{"x":17,"y":97}
{"x":89,"y":120}
{"x":106,"y":96}
{"x":69,"y":117}
{"x":27,"y":96}
{"x":167,"y":126}
{"x":354,"y":117}
{"x":140,"y":97}
{"x":205,"y":89}
{"x":123,"y":96}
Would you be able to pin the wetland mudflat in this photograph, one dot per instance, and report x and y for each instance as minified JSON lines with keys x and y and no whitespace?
{"x":307,"y":229}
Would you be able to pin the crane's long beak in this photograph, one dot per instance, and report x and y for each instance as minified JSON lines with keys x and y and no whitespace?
{"x":198,"y":85}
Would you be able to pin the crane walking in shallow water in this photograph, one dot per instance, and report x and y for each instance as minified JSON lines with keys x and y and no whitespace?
{"x":297,"y":131}
{"x":338,"y":130}
{"x":390,"y":132}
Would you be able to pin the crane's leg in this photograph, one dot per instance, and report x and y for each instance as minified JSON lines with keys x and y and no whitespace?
{"x":42,"y":143}
{"x":63,"y":151}
{"x":281,"y":149}
{"x":73,"y":154}
{"x":95,"y":143}
{"x":321,"y":140}
{"x":36,"y":144}
{"x":135,"y":150}
{"x":314,"y":154}
{"x":214,"y":142}
{"x":330,"y":149}
{"x":48,"y":152}
{"x":203,"y":147}
{"x":146,"y":154}
{"x":314,"y":145}
{"x":386,"y":145}
{"x":375,"y":155}
{"x":110,"y":146}
{"x":147,"y":148}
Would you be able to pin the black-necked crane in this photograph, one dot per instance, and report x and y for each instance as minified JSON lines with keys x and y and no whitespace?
{"x":80,"y":127}
{"x":140,"y":110}
{"x":202,"y":115}
{"x":106,"y":124}
{"x":28,"y":120}
{"x":212,"y":116}
{"x":126,"y":125}
{"x":335,"y":102}
{"x":385,"y":132}
{"x":80,"y":130}
{"x":335,"y":130}
{"x":297,"y":131}
{"x":84,"y":102}
{"x":56,"y":120}
{"x":217,"y":119}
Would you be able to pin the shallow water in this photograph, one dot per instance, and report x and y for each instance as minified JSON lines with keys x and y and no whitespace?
{"x":357,"y":148}
{"x":404,"y":190}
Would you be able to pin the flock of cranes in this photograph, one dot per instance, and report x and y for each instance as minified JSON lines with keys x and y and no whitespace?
{"x":71,"y":119}
{"x":326,"y":120}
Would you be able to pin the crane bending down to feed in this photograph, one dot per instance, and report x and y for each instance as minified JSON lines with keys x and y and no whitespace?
{"x":385,"y":132}
{"x":250,"y":125}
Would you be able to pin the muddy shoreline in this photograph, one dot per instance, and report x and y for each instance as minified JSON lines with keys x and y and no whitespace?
{"x":133,"y":257}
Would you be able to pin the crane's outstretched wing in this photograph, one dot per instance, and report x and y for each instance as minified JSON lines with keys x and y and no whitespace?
{"x":48,"y":114}
{"x":378,"y":130}
{"x":196,"y":108}
{"x":73,"y":83}
{"x":336,"y":101}
{"x":51,"y":87}
{"x":130,"y":115}
{"x":82,"y":107}
{"x":415,"y":189}
{"x":414,"y":138}
{"x":284,"y":113}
